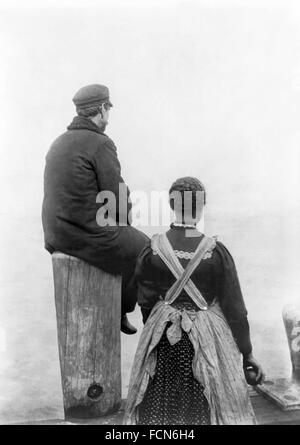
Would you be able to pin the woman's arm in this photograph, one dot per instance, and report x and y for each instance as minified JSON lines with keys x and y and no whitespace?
{"x":234,"y":309}
{"x":232,"y":302}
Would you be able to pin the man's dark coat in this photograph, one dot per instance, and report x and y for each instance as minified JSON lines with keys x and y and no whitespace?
{"x":80,"y":163}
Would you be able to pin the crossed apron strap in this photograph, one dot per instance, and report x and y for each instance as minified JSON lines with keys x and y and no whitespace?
{"x":163,"y":248}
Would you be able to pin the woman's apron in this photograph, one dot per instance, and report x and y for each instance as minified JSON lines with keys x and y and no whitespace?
{"x":217,"y":363}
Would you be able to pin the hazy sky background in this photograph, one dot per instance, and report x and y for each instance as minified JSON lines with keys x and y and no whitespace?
{"x":203,"y":88}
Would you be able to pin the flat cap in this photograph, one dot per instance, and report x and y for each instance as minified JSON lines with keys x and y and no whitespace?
{"x":91,"y":95}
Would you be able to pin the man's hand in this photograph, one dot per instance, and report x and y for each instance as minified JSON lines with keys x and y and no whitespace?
{"x":252,"y":362}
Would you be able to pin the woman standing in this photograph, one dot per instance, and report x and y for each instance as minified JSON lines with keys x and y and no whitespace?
{"x":188,"y":364}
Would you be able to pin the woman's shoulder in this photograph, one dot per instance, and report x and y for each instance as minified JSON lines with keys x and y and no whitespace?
{"x":221,"y":246}
{"x":152,"y":245}
{"x":224,"y":254}
{"x":216,"y":248}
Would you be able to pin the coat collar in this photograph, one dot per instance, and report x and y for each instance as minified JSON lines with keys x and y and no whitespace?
{"x":83,"y":123}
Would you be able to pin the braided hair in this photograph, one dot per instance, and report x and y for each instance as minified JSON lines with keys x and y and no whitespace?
{"x":191,"y":185}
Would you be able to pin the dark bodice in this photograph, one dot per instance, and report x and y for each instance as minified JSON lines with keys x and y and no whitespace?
{"x":215,"y":277}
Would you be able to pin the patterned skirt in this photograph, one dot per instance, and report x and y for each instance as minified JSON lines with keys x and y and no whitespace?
{"x":174,"y":396}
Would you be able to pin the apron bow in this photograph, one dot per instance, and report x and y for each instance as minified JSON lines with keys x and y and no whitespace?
{"x":180,"y":321}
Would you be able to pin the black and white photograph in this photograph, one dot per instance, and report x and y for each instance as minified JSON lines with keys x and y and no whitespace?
{"x":150,"y":215}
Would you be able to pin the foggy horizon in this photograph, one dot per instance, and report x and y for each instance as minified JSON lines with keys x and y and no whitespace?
{"x":204,"y":89}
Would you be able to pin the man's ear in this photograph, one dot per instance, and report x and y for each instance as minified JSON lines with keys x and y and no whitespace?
{"x":101,"y":110}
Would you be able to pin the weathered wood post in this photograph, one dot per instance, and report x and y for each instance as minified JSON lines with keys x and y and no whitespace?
{"x":88,"y":309}
{"x":285,"y":392}
{"x":291,"y":319}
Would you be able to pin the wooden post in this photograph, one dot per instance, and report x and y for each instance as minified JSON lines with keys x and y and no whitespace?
{"x":285,"y":392}
{"x":291,"y":319}
{"x":88,"y":310}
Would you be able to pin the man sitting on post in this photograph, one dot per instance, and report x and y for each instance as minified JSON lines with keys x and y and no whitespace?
{"x":81,"y":165}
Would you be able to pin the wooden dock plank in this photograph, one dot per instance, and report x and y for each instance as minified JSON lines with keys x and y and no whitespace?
{"x":267,"y":413}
